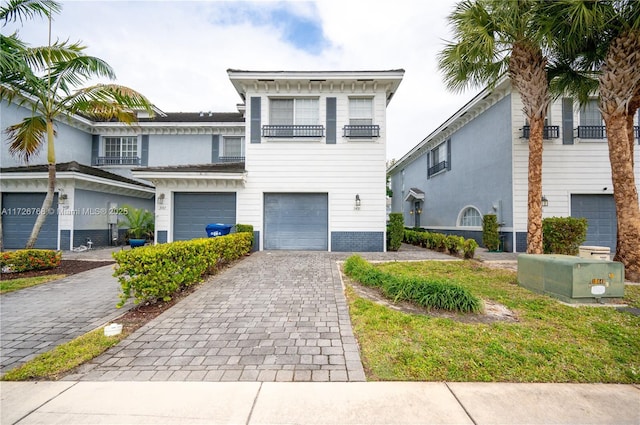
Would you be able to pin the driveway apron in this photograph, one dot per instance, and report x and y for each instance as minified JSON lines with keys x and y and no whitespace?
{"x":37,"y":319}
{"x":274,"y":316}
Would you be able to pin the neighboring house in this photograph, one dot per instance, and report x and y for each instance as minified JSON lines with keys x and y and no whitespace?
{"x":476,"y":162}
{"x":304,"y":164}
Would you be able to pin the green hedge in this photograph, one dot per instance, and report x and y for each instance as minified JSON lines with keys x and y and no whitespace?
{"x":563,"y":235}
{"x":453,"y":244}
{"x":427,"y":292}
{"x":157,"y":272}
{"x":490,"y":232}
{"x":395,"y":231}
{"x":30,"y":259}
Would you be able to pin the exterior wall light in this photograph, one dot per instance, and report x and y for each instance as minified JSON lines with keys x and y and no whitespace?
{"x":357,"y":202}
{"x":545,"y":201}
{"x":161,"y":199}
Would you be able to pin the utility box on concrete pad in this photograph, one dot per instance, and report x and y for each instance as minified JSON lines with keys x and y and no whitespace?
{"x":571,"y":279}
{"x":595,"y":252}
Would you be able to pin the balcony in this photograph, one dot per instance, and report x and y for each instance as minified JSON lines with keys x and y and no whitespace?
{"x":436,"y":168}
{"x":231,"y":159}
{"x":361,"y":131}
{"x":636,"y":131}
{"x":549,"y":132}
{"x":117,"y":160}
{"x":592,"y":132}
{"x":290,"y":131}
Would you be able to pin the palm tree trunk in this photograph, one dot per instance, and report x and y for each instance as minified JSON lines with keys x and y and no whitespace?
{"x":51,"y":187}
{"x":625,"y":196}
{"x":534,"y":203}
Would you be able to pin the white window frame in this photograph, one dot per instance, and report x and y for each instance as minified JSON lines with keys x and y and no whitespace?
{"x":357,"y":114}
{"x":589,"y":112}
{"x":442,"y":151}
{"x":136,"y":139}
{"x":297,"y":111}
{"x":462,"y":216}
{"x":223,"y":149}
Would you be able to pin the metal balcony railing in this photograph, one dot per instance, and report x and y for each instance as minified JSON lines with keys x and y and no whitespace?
{"x":361,"y":131}
{"x":231,"y":159}
{"x":636,"y":131}
{"x":292,"y":131}
{"x":436,"y":168}
{"x":592,"y":132}
{"x":549,"y":132}
{"x":117,"y":160}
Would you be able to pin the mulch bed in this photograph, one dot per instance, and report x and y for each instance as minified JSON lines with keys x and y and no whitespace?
{"x":66,"y":267}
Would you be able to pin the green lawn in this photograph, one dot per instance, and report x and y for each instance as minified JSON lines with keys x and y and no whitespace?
{"x":550,"y":343}
{"x":25,"y":282}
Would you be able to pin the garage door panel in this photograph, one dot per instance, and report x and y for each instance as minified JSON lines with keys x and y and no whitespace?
{"x":193,"y":211}
{"x":296,"y":221}
{"x":20,"y":216}
{"x":600,"y":212}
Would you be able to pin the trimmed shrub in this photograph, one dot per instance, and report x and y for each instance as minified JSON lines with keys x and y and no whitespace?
{"x":490,"y":234}
{"x":395,"y":231}
{"x":244,"y":228}
{"x":469,"y":248}
{"x":454,"y":244}
{"x":563,"y":235}
{"x":30,"y":259}
{"x":430,"y":293}
{"x":157,"y":272}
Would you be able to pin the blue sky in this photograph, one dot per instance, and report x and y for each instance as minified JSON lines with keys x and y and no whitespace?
{"x":177,"y":52}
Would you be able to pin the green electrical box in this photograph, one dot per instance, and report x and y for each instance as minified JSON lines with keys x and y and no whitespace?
{"x":571,"y":279}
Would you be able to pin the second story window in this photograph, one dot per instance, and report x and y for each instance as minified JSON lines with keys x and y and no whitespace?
{"x":591,"y":124}
{"x":361,"y":119}
{"x":437,"y":159}
{"x":298,"y":117}
{"x":120,"y":151}
{"x":232,"y":149}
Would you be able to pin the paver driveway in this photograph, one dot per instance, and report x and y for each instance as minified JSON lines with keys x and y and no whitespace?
{"x":37,"y":319}
{"x":274,"y":316}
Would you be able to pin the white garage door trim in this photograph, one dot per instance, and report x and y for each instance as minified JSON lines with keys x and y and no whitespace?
{"x":296,"y":221}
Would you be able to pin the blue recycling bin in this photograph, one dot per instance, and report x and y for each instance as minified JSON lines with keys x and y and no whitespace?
{"x":218,"y":229}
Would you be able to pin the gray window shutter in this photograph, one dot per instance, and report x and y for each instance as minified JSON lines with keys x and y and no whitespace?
{"x":95,"y":149}
{"x":144,"y":155}
{"x":255,"y":119}
{"x":567,"y":121}
{"x":448,"y":154}
{"x":215,"y":148}
{"x":428,"y":164}
{"x":331,"y":120}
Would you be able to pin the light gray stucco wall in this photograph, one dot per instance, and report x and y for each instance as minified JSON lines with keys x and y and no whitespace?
{"x":90,"y":207}
{"x":415,"y":175}
{"x":71,"y":144}
{"x":179,"y":149}
{"x":480,"y":175}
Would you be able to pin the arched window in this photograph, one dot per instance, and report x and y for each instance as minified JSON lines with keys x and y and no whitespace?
{"x":470,"y":217}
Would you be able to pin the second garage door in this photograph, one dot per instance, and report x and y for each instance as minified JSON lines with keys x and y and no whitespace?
{"x":296,"y":221}
{"x":193,"y":211}
{"x":19,"y":215}
{"x":600,"y":212}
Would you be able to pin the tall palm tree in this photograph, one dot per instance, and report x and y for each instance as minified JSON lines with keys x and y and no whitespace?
{"x":491,"y":38}
{"x":47,"y":78}
{"x":601,"y":42}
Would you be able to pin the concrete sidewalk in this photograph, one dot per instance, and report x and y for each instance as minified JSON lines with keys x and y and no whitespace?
{"x":317,"y":403}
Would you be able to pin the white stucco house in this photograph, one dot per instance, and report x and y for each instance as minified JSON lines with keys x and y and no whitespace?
{"x":475,"y":163}
{"x":302,"y":160}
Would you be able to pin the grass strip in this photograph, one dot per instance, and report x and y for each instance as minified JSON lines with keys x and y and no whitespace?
{"x":55,"y":363}
{"x":551,"y":342}
{"x":25,"y":282}
{"x":426,"y":291}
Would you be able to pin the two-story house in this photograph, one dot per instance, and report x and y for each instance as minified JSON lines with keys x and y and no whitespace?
{"x":475,"y":163}
{"x":303,"y":162}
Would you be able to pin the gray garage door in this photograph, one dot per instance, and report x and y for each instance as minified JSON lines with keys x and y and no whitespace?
{"x":297,"y":221}
{"x":600,"y":212}
{"x":193,"y":211}
{"x":18,"y":216}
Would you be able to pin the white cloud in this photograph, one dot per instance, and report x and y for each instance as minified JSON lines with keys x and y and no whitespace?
{"x":176,"y":54}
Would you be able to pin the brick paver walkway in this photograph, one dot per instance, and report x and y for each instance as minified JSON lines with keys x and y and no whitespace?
{"x":37,"y":319}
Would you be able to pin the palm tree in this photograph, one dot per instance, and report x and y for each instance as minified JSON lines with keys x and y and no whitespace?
{"x":47,"y":78}
{"x":601,"y":43}
{"x":491,"y":38}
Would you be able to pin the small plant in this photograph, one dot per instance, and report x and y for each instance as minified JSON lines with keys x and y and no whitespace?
{"x":490,"y":234}
{"x":138,"y":221}
{"x":24,"y":260}
{"x":563,"y":235}
{"x":395,"y":231}
{"x":469,"y":248}
{"x":454,"y":244}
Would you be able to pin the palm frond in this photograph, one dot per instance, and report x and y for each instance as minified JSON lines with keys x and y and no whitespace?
{"x":27,"y":137}
{"x":20,"y":10}
{"x":41,"y":58}
{"x":68,"y":75}
{"x":108,"y":102}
